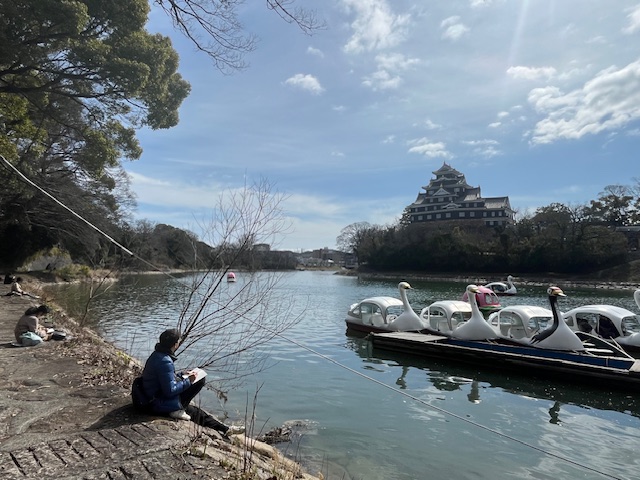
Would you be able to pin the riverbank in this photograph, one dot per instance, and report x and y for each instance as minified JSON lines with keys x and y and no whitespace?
{"x":626,"y":284}
{"x":65,"y":412}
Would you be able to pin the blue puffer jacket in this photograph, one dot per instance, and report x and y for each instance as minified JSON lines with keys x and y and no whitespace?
{"x":160,"y":382}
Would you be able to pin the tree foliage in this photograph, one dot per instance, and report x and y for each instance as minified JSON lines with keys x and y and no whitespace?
{"x":556,"y":238}
{"x":77,"y":78}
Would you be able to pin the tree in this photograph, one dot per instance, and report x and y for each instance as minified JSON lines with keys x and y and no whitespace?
{"x":219,"y":324}
{"x":76,"y":79}
{"x":350,"y":236}
{"x":214,"y":28}
{"x":613,"y":206}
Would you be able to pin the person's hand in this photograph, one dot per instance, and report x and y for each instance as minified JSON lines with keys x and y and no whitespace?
{"x":192,"y":377}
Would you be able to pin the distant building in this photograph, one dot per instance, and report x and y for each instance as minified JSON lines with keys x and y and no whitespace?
{"x":261,"y":247}
{"x":449,"y":197}
{"x":325,"y":257}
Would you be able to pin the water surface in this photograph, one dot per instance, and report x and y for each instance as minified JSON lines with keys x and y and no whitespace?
{"x":377,"y":416}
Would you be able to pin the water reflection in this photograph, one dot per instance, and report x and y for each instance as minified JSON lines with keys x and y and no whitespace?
{"x":450,"y":377}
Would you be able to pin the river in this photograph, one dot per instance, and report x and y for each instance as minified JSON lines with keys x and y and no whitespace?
{"x":376,"y":416}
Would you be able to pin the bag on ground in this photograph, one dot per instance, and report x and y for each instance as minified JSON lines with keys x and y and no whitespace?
{"x":138,"y":396}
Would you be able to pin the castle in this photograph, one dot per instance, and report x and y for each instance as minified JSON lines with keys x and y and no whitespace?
{"x":449,"y":197}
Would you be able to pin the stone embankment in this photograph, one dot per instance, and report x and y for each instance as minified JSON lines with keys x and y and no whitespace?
{"x":65,"y":413}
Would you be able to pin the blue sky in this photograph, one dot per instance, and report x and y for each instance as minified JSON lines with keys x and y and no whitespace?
{"x":535,"y":99}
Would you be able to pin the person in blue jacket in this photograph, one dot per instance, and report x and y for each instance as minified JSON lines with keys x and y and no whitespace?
{"x":170,"y":393}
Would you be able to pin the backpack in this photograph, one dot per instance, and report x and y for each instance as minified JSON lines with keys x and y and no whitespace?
{"x":138,"y":396}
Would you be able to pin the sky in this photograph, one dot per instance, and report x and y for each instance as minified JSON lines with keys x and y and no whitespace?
{"x":538,"y":100}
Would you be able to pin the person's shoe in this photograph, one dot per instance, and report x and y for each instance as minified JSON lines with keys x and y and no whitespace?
{"x":180,"y":415}
{"x":235,"y":430}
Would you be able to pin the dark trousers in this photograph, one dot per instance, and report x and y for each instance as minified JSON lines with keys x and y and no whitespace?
{"x":198,"y":415}
{"x":191,"y":392}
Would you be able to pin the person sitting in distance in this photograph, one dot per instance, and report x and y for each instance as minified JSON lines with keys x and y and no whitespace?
{"x":171,"y":394}
{"x":30,"y":323}
{"x":16,"y":289}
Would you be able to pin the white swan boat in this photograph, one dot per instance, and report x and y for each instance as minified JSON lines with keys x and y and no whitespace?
{"x":443,"y":316}
{"x":486,"y":299}
{"x":384,"y":314}
{"x":501,"y":288}
{"x":608,"y":322}
{"x":520,"y":322}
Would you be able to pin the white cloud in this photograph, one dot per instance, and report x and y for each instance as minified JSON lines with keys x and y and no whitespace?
{"x":305,"y":82}
{"x":475,"y":143}
{"x":382,"y":80}
{"x":453,"y":28}
{"x":634,"y":21}
{"x":609,"y":101}
{"x":375,"y":26}
{"x":395,"y":61}
{"x":494,"y":124}
{"x":531,"y":73}
{"x":389,"y":66}
{"x":389,"y":139}
{"x":483,"y":3}
{"x":486,"y":148}
{"x":339,"y":108}
{"x":430,"y":149}
{"x":432,"y":125}
{"x":315,"y":51}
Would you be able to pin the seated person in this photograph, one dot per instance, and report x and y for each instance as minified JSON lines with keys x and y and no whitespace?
{"x":16,"y":289}
{"x":30,"y":322}
{"x":171,"y":394}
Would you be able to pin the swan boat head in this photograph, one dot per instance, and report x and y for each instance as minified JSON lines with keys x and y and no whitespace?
{"x":558,"y":336}
{"x":408,"y":320}
{"x":476,"y":328}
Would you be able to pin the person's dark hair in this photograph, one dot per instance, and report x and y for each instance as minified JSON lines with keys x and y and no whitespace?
{"x":19,"y":279}
{"x":39,"y":309}
{"x":168,"y":338}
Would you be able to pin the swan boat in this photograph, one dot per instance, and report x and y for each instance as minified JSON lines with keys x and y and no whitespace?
{"x":520,"y":322}
{"x":612,"y":323}
{"x":501,"y":288}
{"x":384,"y":314}
{"x":554,"y":350}
{"x":443,"y":316}
{"x":487,"y":300}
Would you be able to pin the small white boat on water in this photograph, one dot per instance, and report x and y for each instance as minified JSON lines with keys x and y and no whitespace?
{"x":476,"y":328}
{"x":231,"y":277}
{"x":384,"y":314}
{"x":609,"y":322}
{"x":502,"y":288}
{"x":520,"y":322}
{"x":443,"y":316}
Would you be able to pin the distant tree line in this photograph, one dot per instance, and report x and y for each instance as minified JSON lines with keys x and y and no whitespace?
{"x":555,"y":238}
